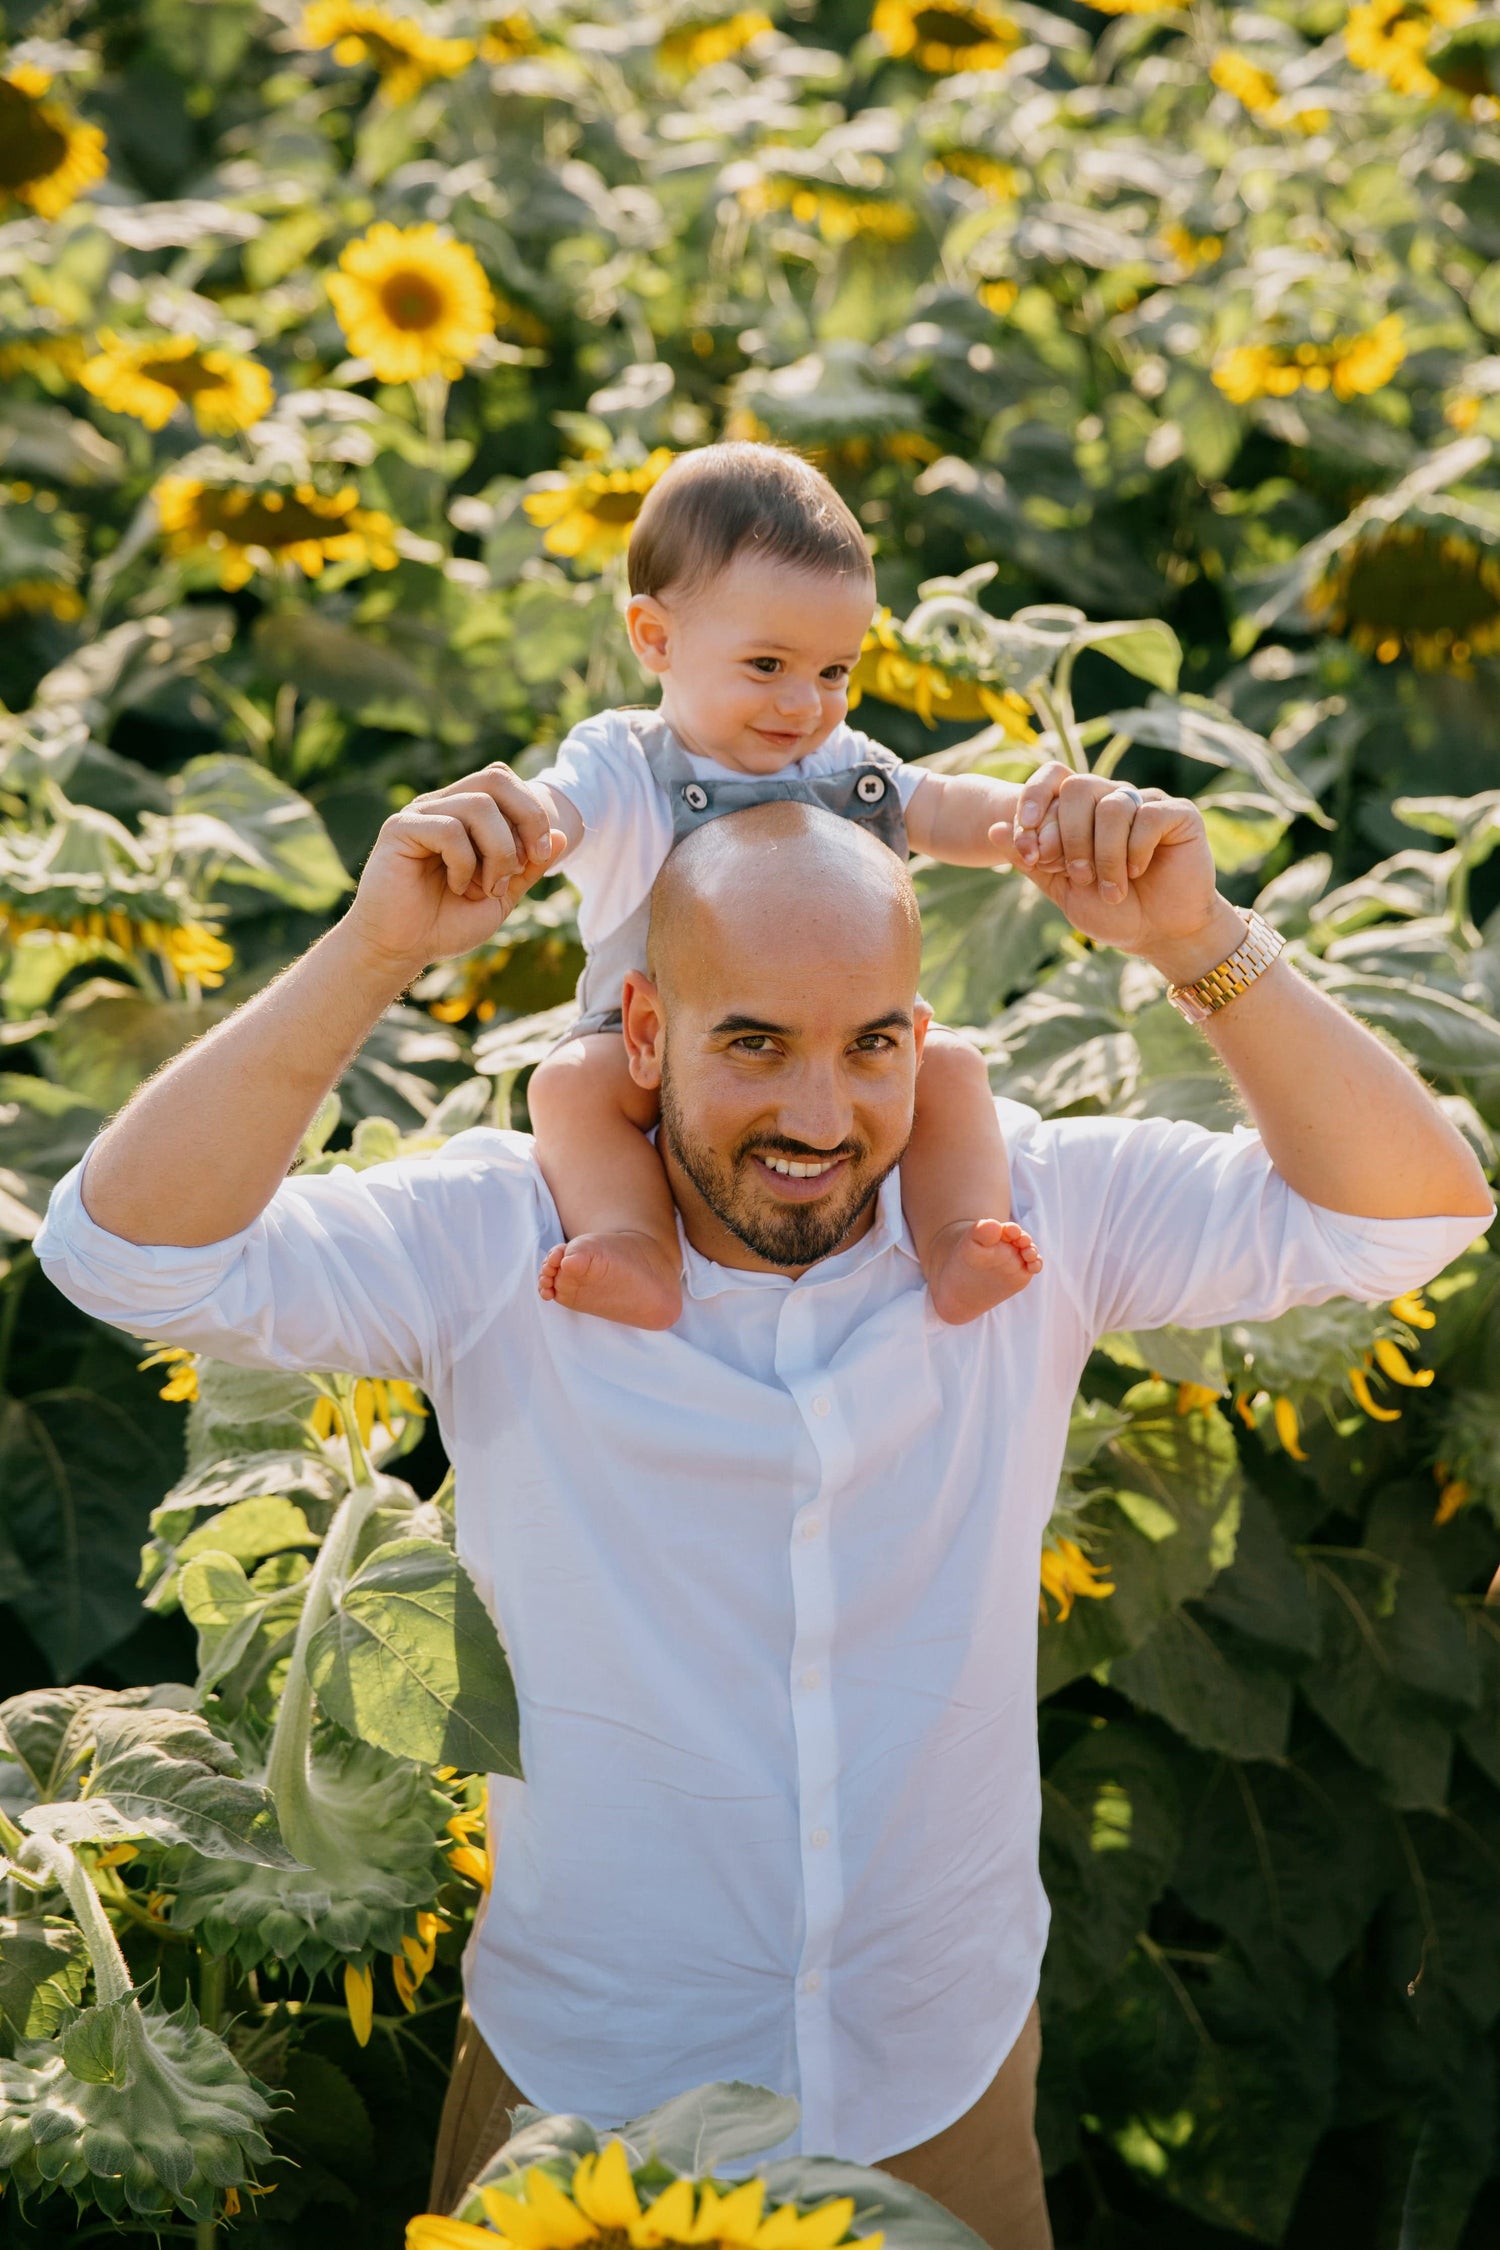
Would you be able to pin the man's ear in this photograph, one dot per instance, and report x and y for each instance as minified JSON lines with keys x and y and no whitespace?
{"x":645,"y":1027}
{"x":921,"y":1022}
{"x":649,"y":628}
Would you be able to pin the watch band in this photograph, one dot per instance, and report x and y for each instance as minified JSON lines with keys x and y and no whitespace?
{"x":1250,"y":959}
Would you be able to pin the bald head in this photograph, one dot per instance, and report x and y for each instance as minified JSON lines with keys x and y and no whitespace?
{"x":780,"y":883}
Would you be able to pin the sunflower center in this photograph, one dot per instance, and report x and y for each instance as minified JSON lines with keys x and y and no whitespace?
{"x":945,"y":27}
{"x":31,"y":146}
{"x":411,"y":300}
{"x":252,"y":520}
{"x":187,"y":376}
{"x":1419,"y":585}
{"x":616,"y":507}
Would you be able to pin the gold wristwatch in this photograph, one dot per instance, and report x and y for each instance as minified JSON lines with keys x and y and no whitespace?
{"x":1250,"y":959}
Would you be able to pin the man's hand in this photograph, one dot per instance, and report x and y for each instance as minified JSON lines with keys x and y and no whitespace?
{"x":449,"y":867}
{"x":1130,"y":868}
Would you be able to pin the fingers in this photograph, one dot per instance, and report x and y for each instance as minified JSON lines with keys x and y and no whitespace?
{"x":1093,"y":831}
{"x":520,"y":805}
{"x":1038,"y":800}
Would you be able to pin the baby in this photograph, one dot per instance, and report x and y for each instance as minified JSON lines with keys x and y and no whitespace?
{"x":751,"y":592}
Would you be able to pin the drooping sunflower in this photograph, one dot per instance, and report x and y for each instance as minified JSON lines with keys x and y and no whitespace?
{"x":1391,"y":39}
{"x":47,"y":155}
{"x":1348,"y":366}
{"x":246,"y":528}
{"x":412,"y":301}
{"x":150,"y":377}
{"x":951,"y":35}
{"x":189,"y":948}
{"x":376,"y":1399}
{"x":587,"y":516}
{"x":605,"y":2206}
{"x":896,"y":670}
{"x":703,"y":41}
{"x":1068,"y":1576}
{"x":1427,"y":587}
{"x":404,"y":51}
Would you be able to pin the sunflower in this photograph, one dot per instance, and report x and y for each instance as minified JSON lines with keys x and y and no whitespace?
{"x":894,"y":670}
{"x":181,"y":1369}
{"x":533,"y":2212}
{"x":1349,"y":366}
{"x":588,"y":516}
{"x":248,"y":528}
{"x":1191,"y":250}
{"x":47,"y":155}
{"x":698,"y":45}
{"x":190,"y":949}
{"x":412,"y":301}
{"x":53,"y":361}
{"x":404,"y":52}
{"x":953,"y":35}
{"x":41,"y":597}
{"x":1253,"y":88}
{"x":1000,"y":181}
{"x":1130,"y":7}
{"x":151,"y":377}
{"x":375,"y":1400}
{"x":1427,"y":587}
{"x":508,"y":37}
{"x":1391,"y":38}
{"x":1069,"y":1576}
{"x":838,"y":213}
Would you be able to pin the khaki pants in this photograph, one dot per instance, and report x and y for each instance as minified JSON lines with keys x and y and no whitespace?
{"x":985,"y":2168}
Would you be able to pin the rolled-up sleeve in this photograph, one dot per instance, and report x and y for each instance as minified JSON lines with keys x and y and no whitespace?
{"x":380,"y":1272}
{"x":1160,"y":1222}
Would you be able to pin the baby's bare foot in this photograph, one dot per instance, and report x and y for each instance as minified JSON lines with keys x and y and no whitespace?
{"x":975,"y":1264}
{"x":621,"y":1276}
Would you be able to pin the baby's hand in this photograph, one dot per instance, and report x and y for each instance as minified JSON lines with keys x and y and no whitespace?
{"x":1032,"y":838}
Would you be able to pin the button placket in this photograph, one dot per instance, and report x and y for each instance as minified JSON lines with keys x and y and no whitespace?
{"x":811,"y":1564}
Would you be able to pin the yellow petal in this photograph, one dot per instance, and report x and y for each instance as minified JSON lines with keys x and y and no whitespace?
{"x":739,"y":2213}
{"x":359,"y":1999}
{"x":433,"y":2232}
{"x":566,"y":2225}
{"x":608,"y":2193}
{"x":1414,"y":1310}
{"x":1391,"y":1361}
{"x":468,"y":1860}
{"x":406,"y":1985}
{"x":667,"y":2219}
{"x":1284,"y":1414}
{"x":1359,"y":1384}
{"x":828,"y":2225}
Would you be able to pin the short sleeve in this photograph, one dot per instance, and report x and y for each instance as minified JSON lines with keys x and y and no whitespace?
{"x":390,"y":1271}
{"x":1156,"y":1222}
{"x":602,"y":771}
{"x":846,"y":746}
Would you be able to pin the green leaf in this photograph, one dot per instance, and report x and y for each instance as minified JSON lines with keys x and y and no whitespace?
{"x":322,"y":657}
{"x":711,"y":2128}
{"x":1355,"y":1688}
{"x":50,"y":1732}
{"x":1144,"y":647}
{"x":227,"y":1610}
{"x":1264,"y":1592}
{"x":167,"y":1775}
{"x":106,"y":1039}
{"x":44,"y":1965}
{"x":1442,"y":1034}
{"x":236,"y":816}
{"x":263,"y":1525}
{"x":1196,"y":728}
{"x":410,"y":1662}
{"x":1215,"y":1690}
{"x":883,"y":2204}
{"x":96,"y":2045}
{"x":1243,"y":827}
{"x":985,"y":934}
{"x":1111,"y":1823}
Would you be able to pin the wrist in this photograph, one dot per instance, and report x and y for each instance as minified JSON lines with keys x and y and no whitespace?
{"x":378,"y":974}
{"x":1182,"y":959}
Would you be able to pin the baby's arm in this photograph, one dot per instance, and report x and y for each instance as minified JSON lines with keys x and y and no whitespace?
{"x":621,"y":1260}
{"x":970,"y":820}
{"x":955,"y":1186}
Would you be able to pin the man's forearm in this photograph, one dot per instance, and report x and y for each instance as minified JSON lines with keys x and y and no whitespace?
{"x":1344,"y":1121}
{"x":198,"y":1153}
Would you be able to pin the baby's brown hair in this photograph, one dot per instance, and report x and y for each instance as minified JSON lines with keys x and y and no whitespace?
{"x":720,"y":501}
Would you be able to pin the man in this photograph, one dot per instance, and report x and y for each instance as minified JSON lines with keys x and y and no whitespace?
{"x":768,"y":1580}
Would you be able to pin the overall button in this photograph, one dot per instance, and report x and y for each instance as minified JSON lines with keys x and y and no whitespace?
{"x":695,"y":796}
{"x":870,"y":788}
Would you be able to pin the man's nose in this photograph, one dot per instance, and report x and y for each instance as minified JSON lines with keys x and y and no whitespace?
{"x":814,"y":1107}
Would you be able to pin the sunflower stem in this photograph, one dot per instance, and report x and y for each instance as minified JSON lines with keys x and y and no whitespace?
{"x":111,"y":1976}
{"x":1058,"y":716}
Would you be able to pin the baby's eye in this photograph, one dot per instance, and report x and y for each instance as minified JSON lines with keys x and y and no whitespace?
{"x":836,"y":673}
{"x":765,"y":664}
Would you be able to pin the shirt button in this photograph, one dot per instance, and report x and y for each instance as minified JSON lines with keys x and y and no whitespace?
{"x":808,"y":1528}
{"x":822,"y":1405}
{"x":812,"y":1677}
{"x":812,"y":1983}
{"x":818,"y":1839}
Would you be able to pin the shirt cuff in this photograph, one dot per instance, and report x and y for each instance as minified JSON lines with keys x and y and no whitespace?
{"x":133,"y":1285}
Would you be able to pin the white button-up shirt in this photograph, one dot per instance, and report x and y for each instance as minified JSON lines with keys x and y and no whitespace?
{"x":768,"y":1582}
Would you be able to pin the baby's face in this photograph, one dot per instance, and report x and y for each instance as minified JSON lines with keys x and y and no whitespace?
{"x":755,"y":666}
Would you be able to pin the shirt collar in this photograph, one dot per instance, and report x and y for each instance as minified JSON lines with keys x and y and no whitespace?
{"x":887,"y":1233}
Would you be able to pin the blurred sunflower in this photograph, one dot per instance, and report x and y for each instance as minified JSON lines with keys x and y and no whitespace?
{"x":838,"y":213}
{"x":412,"y":301}
{"x":1068,"y":1576}
{"x":895,"y":670}
{"x":1191,"y":250}
{"x":1253,"y":88}
{"x":47,"y":155}
{"x":1391,"y":38}
{"x":949,"y":36}
{"x":1349,"y":366}
{"x":53,"y":361}
{"x":150,"y":377}
{"x":702,"y":42}
{"x":587,"y":515}
{"x":998,"y":180}
{"x":1428,"y":587}
{"x":406,"y":54}
{"x":533,"y":2212}
{"x":508,"y":36}
{"x":246,"y":528}
{"x":190,"y":949}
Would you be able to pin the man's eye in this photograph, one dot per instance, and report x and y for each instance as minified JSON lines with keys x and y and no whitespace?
{"x":874,"y":1043}
{"x":752,"y":1043}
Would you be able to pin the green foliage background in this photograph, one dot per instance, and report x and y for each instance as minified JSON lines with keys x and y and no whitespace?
{"x":994,"y":304}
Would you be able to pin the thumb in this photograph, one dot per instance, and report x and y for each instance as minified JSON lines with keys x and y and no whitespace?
{"x":532,"y":870}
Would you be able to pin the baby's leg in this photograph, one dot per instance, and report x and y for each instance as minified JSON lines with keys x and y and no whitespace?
{"x":955,"y":1185}
{"x":621,"y":1259}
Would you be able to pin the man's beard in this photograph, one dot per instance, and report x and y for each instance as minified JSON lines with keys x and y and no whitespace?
{"x":784,"y":1234}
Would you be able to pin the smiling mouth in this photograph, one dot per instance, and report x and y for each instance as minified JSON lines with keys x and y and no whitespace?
{"x":792,"y":1169}
{"x":800,"y":1179}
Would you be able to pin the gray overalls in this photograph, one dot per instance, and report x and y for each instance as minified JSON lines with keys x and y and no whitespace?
{"x":866,"y":793}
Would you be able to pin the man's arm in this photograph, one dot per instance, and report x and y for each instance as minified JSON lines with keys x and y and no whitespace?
{"x":1345,"y":1123}
{"x":199,"y":1152}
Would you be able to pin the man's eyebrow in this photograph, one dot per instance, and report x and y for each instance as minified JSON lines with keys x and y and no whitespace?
{"x":895,"y":1019}
{"x":746,"y":1023}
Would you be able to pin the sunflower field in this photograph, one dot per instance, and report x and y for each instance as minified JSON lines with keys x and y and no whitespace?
{"x":1158,"y":350}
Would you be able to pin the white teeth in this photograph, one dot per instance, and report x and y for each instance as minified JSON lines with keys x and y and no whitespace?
{"x":800,"y":1171}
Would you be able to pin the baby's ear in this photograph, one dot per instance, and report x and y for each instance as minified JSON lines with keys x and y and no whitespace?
{"x":649,"y":627}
